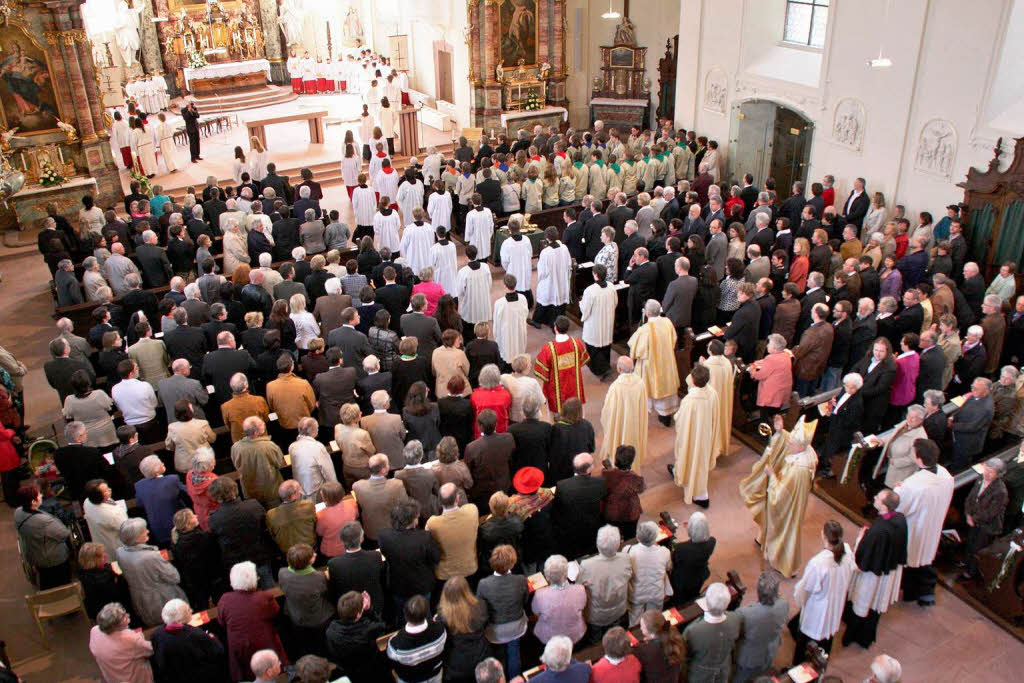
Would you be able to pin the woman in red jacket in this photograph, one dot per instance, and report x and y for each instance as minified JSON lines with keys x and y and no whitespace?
{"x":801,"y":264}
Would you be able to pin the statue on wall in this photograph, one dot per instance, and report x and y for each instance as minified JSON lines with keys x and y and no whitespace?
{"x":126,"y":31}
{"x":936,"y":148}
{"x":848,"y":124}
{"x":290,"y":21}
{"x":625,"y":33}
{"x":352,"y":28}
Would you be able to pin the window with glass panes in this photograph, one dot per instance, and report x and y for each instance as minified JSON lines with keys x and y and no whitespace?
{"x":806,"y":21}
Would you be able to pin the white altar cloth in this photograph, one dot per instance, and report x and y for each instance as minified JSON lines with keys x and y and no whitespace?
{"x":520,"y":115}
{"x":614,"y":101}
{"x":226,"y":69}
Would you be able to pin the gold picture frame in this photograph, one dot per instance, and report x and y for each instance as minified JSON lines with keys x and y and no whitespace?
{"x":19,"y":94}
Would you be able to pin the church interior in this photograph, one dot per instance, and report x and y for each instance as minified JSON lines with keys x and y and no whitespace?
{"x":751,"y":269}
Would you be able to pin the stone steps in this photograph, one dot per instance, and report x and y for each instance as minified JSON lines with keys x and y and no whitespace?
{"x":231,"y":102}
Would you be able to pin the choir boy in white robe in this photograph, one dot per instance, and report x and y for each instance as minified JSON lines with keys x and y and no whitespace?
{"x":294,"y":66}
{"x":142,"y":147}
{"x":510,"y":314}
{"x":410,"y":194}
{"x":403,"y":86}
{"x":517,"y":255}
{"x":379,"y":154}
{"x":480,"y":227}
{"x":416,"y":241}
{"x":439,"y":206}
{"x":880,"y":552}
{"x":364,"y":205}
{"x":445,"y":261}
{"x":372,"y":99}
{"x":597,"y":311}
{"x":821,"y":593}
{"x":308,"y":74}
{"x":924,"y":500}
{"x":473,"y":290}
{"x":350,"y":165}
{"x":553,"y":268}
{"x":385,"y":183}
{"x":432,"y":165}
{"x":394,"y":94}
{"x":165,"y":134}
{"x":121,"y":137}
{"x":387,"y":225}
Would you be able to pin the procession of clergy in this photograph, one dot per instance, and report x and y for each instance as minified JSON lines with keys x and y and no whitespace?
{"x":354,"y":73}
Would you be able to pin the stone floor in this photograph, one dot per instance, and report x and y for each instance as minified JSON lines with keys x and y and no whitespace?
{"x":950,"y":642}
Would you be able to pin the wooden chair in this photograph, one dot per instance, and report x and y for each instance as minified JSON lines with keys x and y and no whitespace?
{"x":55,"y":602}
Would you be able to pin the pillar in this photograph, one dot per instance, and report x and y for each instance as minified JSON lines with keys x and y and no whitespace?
{"x":272,"y":41}
{"x":152,"y":60}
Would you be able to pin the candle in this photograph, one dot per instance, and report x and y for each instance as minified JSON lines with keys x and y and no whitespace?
{"x":24,"y":164}
{"x":60,"y":154}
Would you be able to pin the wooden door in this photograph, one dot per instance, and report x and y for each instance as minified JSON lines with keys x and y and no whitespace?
{"x":445,"y":86}
{"x":791,"y":148}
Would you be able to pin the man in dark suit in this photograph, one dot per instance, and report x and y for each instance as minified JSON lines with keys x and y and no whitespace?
{"x":59,"y":369}
{"x":488,"y":459}
{"x":258,"y":244}
{"x":814,"y":295}
{"x":572,"y":236}
{"x":642,"y":277}
{"x":489,"y":190}
{"x":971,"y":423}
{"x":933,"y":363}
{"x":484,"y":150}
{"x":422,"y":326}
{"x":957,"y":249}
{"x":911,"y":318}
{"x":870,"y":283}
{"x":618,"y":214}
{"x":878,"y":370}
{"x":693,"y":224}
{"x":218,"y":323}
{"x":187,"y":342}
{"x":857,"y":204}
{"x":532,"y":437}
{"x":672,"y":208}
{"x":334,"y":388}
{"x":254,"y":297}
{"x":138,"y":299}
{"x":304,"y":202}
{"x":315,"y":193}
{"x":847,"y":413}
{"x":351,"y":342}
{"x":667,"y":265}
{"x":356,"y":569}
{"x":79,"y":463}
{"x":285,"y":232}
{"x":817,"y":200}
{"x":629,"y":245}
{"x":212,"y":209}
{"x":793,"y":207}
{"x":973,"y":288}
{"x":222,"y":363}
{"x":153,"y":262}
{"x":282,"y":188}
{"x":970,"y":364}
{"x":764,"y":236}
{"x":393,"y":297}
{"x":748,"y":194}
{"x":745,"y":322}
{"x":715,"y":211}
{"x":592,"y":230}
{"x":288,"y":287}
{"x":576,"y":511}
{"x":863,"y":333}
{"x":367,"y":386}
{"x":677,"y":303}
{"x":387,"y":261}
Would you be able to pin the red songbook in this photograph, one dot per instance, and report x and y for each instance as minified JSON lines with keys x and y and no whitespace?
{"x":632,"y":639}
{"x":200,"y":618}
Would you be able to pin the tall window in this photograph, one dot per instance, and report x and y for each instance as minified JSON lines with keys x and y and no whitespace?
{"x":806,"y":21}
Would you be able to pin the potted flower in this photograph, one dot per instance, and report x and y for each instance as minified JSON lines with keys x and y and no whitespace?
{"x":49,"y":176}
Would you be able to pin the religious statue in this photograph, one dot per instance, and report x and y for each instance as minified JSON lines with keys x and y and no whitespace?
{"x":521,"y":70}
{"x":126,"y":30}
{"x":291,"y":21}
{"x":625,"y":33}
{"x":545,"y":71}
{"x":352,"y":28}
{"x":499,"y":71}
{"x":69,"y":131}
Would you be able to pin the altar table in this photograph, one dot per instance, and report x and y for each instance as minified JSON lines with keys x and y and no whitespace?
{"x":227,"y":76}
{"x":257,"y":127}
{"x":548,"y":116}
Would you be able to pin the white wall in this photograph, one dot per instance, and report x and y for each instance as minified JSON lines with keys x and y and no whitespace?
{"x":425,"y":23}
{"x":949,"y":60}
{"x":655,"y":21}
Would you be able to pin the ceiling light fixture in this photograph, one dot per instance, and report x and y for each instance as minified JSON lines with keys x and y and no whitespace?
{"x":881,"y":61}
{"x":610,"y":14}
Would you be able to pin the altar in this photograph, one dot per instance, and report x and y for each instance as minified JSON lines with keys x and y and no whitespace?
{"x":513,"y":121}
{"x":621,"y":93}
{"x":227,"y":76}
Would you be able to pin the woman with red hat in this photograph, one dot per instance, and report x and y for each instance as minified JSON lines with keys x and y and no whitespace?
{"x":532,"y":504}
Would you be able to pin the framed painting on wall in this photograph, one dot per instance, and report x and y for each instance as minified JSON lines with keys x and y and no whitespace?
{"x":517,"y":26}
{"x":28,"y":101}
{"x":622,"y":56}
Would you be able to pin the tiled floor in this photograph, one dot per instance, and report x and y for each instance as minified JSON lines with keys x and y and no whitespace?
{"x":950,"y":642}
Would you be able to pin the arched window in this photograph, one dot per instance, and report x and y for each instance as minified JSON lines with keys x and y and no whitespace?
{"x":806,"y":21}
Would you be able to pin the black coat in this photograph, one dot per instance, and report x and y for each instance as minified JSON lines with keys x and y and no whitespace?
{"x":197,"y":559}
{"x":576,"y":514}
{"x":241,"y":531}
{"x":572,"y":237}
{"x":394,"y":298}
{"x":842,"y":340}
{"x":181,"y":254}
{"x":533,"y":439}
{"x":643,"y":285}
{"x":79,"y":464}
{"x":933,"y":363}
{"x":974,"y":291}
{"x":188,"y":655}
{"x":626,"y":249}
{"x":155,"y":267}
{"x":870,"y":283}
{"x":792,"y":208}
{"x":490,"y":194}
{"x":858,"y":209}
{"x":189,"y":343}
{"x":806,"y":304}
{"x":875,"y":392}
{"x":286,"y":237}
{"x":690,"y":569}
{"x":221,"y":365}
{"x":617,"y":218}
{"x":360,"y":571}
{"x":353,"y":645}
{"x":141,"y":300}
{"x":744,"y":327}
{"x":412,"y":556}
{"x":843,"y":423}
{"x":863,"y":336}
{"x":970,"y":365}
{"x":592,"y":235}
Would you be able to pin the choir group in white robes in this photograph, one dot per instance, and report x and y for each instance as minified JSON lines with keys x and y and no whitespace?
{"x":480,"y":231}
{"x":415,"y":245}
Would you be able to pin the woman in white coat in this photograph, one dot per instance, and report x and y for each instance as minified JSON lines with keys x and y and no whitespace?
{"x":821,"y":593}
{"x":432,"y":165}
{"x":875,"y":220}
{"x":239,"y":166}
{"x":257,"y":159}
{"x":142,"y":148}
{"x":236,"y":251}
{"x":103,"y":515}
{"x":388,"y":123}
{"x":410,"y":194}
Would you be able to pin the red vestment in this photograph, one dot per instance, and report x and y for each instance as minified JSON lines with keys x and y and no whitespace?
{"x":559,"y":366}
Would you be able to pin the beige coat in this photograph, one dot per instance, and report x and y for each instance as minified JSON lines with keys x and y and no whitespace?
{"x":151,"y":357}
{"x":448,"y":362}
{"x":236,"y":251}
{"x":184,"y":438}
{"x":259,"y":461}
{"x":697,"y":435}
{"x":652,"y":348}
{"x":376,"y":497}
{"x":455,"y":533}
{"x":624,"y":418}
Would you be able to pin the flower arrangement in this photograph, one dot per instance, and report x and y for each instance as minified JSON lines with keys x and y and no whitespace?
{"x":49,"y":176}
{"x":144,"y":185}
{"x":532,"y":102}
{"x":196,"y":59}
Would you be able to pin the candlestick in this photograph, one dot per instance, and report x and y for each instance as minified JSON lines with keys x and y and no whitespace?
{"x":24,"y":164}
{"x":60,"y":155}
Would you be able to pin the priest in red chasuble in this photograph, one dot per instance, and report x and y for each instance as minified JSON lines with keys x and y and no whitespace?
{"x":559,"y":366}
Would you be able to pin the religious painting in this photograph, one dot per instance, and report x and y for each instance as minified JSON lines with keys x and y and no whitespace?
{"x":517,"y":20}
{"x":622,"y":56}
{"x":29,"y":102}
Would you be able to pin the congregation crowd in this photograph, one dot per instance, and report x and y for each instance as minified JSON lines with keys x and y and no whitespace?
{"x":364,"y":361}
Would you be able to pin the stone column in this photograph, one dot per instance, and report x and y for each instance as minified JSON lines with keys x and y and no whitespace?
{"x":272,"y":40}
{"x":152,"y":61}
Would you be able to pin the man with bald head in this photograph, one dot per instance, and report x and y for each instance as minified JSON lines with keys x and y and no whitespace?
{"x":220,"y":364}
{"x":376,"y":497}
{"x":624,"y":414}
{"x":153,"y":261}
{"x":576,"y":511}
{"x":259,"y":462}
{"x":178,"y":386}
{"x":455,"y":532}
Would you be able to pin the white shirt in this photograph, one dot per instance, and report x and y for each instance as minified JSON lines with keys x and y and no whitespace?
{"x":553,"y":275}
{"x":136,"y":400}
{"x":821,"y":593}
{"x":473,"y":289}
{"x":480,"y":231}
{"x":924,"y":500}
{"x":517,"y":259}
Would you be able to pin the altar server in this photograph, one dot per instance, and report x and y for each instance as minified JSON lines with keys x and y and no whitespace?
{"x":439,"y":206}
{"x":417,"y":240}
{"x":165,"y":134}
{"x":385,"y":182}
{"x":473,"y":290}
{"x":379,"y":152}
{"x":350,"y":165}
{"x":142,"y":148}
{"x":516,"y":254}
{"x":821,"y":593}
{"x":480,"y":230}
{"x":294,"y":67}
{"x":553,"y":272}
{"x":386,"y":227}
{"x":597,"y":312}
{"x":308,"y":74}
{"x":410,"y":194}
{"x":403,"y":86}
{"x":372,"y":99}
{"x":510,"y":313}
{"x":445,"y":261}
